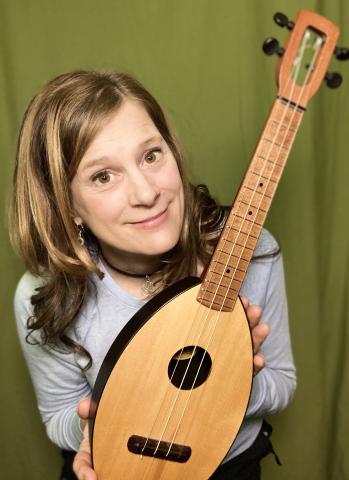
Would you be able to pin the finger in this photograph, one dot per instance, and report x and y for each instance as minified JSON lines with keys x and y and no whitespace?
{"x":244,"y":301}
{"x":258,"y":363}
{"x":83,"y":408}
{"x":259,"y":334}
{"x":82,"y":467}
{"x":253,"y":313}
{"x":82,"y":464}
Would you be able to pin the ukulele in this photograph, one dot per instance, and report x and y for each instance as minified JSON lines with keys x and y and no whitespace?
{"x":174,"y":387}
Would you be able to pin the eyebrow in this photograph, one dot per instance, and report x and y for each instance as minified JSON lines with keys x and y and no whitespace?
{"x":94,"y":162}
{"x":154,"y":138}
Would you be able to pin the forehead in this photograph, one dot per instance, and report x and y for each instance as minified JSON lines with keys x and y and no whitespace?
{"x":129,"y":123}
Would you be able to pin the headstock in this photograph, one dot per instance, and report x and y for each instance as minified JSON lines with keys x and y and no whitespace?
{"x":310,"y":44}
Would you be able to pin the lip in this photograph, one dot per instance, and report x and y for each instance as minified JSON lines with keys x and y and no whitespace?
{"x":153,"y":221}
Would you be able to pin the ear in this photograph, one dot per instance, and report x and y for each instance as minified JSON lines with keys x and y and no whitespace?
{"x":77,"y":220}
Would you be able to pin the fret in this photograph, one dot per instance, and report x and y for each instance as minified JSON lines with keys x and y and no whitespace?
{"x":224,"y":280}
{"x":231,"y":235}
{"x":254,"y":180}
{"x":253,"y":205}
{"x":267,"y":167}
{"x":233,"y":263}
{"x":283,"y":126}
{"x":281,"y":133}
{"x":242,"y":227}
{"x":226,"y":239}
{"x":271,"y":140}
{"x":231,"y":271}
{"x":237,"y":252}
{"x":237,"y":272}
{"x":209,"y":299}
{"x":239,"y":275}
{"x":286,"y":116}
{"x":242,"y":240}
{"x":246,"y":211}
{"x":245,"y":187}
{"x":269,"y":161}
{"x":220,"y":292}
{"x":259,"y":175}
{"x":268,"y":175}
{"x":222,"y":268}
{"x":273,"y":153}
{"x":243,"y":247}
{"x":255,"y":199}
{"x":252,"y":221}
{"x":248,"y":240}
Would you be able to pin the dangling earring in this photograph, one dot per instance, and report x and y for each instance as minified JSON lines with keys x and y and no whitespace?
{"x":81,"y":239}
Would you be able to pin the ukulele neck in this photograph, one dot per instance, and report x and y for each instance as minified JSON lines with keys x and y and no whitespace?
{"x":228,"y":266}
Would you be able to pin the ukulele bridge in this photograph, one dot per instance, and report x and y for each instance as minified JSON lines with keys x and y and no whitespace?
{"x":158,"y":449}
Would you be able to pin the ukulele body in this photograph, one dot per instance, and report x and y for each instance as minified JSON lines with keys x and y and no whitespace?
{"x":180,"y":433}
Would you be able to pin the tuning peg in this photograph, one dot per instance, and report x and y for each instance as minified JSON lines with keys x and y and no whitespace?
{"x":281,"y":20}
{"x":333,"y":80}
{"x":271,"y":46}
{"x":341,"y":53}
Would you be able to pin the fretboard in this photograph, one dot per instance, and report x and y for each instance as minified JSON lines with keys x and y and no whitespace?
{"x":228,"y":266}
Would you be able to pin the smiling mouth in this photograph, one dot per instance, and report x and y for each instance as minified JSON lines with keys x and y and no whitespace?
{"x":152,"y":221}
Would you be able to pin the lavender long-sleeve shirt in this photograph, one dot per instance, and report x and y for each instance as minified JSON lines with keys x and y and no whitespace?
{"x":59,"y":379}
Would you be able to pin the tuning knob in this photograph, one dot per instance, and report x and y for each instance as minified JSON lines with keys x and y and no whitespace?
{"x":281,"y":20}
{"x":341,"y":53}
{"x":333,"y":80}
{"x":271,"y":46}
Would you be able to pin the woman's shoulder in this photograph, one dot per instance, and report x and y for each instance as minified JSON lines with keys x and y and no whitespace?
{"x":266,"y":245}
{"x":27,"y":285}
{"x":26,"y":288}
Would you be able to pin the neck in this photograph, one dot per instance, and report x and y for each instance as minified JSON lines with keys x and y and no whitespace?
{"x":141,"y":283}
{"x":130,"y":264}
{"x":128,"y":272}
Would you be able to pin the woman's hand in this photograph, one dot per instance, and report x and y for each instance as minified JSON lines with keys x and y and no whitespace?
{"x":259,"y":332}
{"x":82,"y":465}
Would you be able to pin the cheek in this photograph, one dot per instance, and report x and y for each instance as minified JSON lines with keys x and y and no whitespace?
{"x":176,"y":185}
{"x":94,"y":209}
{"x":176,"y":188}
{"x":172,"y":179}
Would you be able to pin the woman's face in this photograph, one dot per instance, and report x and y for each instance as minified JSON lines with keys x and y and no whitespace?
{"x":127,"y":188}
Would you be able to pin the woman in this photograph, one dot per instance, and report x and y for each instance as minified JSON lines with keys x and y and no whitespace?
{"x":104,"y":216}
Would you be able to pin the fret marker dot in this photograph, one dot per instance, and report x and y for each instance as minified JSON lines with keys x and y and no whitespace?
{"x":261,"y":184}
{"x":250,"y":212}
{"x":228,"y":270}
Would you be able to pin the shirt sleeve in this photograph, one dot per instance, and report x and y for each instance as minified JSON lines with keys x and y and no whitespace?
{"x":273,"y":387}
{"x":58,"y":380}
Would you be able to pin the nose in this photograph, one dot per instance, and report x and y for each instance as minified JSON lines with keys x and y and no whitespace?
{"x":143,"y":190}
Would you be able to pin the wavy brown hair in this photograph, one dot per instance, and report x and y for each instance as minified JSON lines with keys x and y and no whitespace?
{"x":58,"y":126}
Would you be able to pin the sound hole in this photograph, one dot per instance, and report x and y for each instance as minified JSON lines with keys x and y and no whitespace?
{"x":189,"y":367}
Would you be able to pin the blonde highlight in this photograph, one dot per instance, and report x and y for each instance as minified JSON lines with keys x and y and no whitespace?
{"x":57,"y":128}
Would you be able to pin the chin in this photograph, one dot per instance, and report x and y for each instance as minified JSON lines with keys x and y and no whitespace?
{"x":159,"y":246}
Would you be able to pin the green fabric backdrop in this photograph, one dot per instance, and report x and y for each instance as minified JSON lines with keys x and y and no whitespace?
{"x":202,"y":59}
